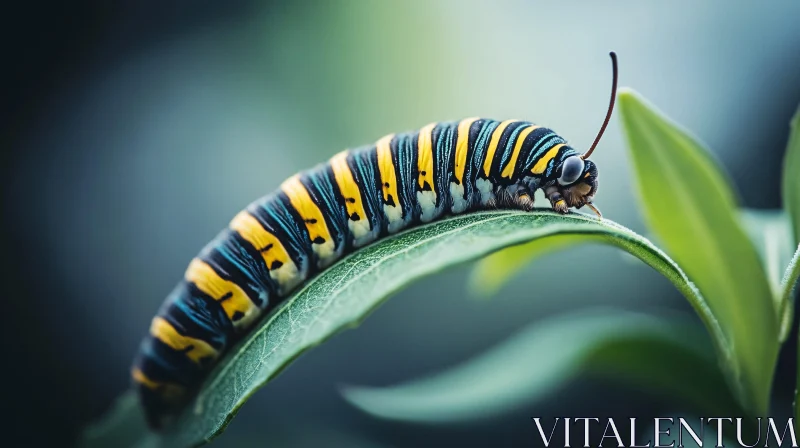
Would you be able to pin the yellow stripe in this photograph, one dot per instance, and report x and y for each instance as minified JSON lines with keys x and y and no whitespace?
{"x":498,"y":132}
{"x":425,"y":157}
{"x":347,"y":185}
{"x":508,"y":171}
{"x":541,"y":164}
{"x":235,"y":299}
{"x":263,"y":241}
{"x":308,"y":210}
{"x":144,"y":380}
{"x":462,"y":145}
{"x":169,"y":391}
{"x":195,"y":349}
{"x":386,"y":168}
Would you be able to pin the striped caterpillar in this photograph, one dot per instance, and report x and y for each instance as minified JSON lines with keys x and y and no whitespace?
{"x":319,"y":215}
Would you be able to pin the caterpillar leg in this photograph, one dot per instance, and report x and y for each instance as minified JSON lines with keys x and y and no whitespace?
{"x":520,"y":199}
{"x":556,"y":200}
{"x":524,"y":201}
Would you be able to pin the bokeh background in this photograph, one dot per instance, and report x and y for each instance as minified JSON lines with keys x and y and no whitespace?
{"x":134,"y":131}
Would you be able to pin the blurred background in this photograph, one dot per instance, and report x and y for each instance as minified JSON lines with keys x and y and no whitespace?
{"x":134,"y":131}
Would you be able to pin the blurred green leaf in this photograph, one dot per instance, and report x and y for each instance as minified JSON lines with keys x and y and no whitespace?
{"x":123,"y":426}
{"x":689,"y":204}
{"x":493,"y":271}
{"x":791,"y":203}
{"x":346,"y":292}
{"x":673,"y":359}
{"x":790,"y":280}
{"x":791,"y":175}
{"x":771,"y":232}
{"x":789,"y":288}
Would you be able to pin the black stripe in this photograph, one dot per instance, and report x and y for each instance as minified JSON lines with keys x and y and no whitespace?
{"x":480,"y":130}
{"x":195,"y":314}
{"x":443,"y":161}
{"x":283,"y":207}
{"x":254,"y":268}
{"x":155,"y":406}
{"x":163,"y":363}
{"x":404,"y":157}
{"x":504,"y":151}
{"x":542,"y":140}
{"x":324,"y":192}
{"x":276,"y":218}
{"x":363,"y":164}
{"x":225,"y":252}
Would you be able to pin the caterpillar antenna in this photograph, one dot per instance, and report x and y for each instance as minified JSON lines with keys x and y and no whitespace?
{"x":610,"y":106}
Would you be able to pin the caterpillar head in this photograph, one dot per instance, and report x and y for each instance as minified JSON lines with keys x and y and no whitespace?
{"x":577,"y":182}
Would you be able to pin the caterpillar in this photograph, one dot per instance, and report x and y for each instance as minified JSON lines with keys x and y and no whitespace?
{"x":317,"y":216}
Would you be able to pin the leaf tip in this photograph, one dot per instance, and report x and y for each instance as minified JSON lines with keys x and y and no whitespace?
{"x":795,"y":121}
{"x":628,"y":98}
{"x":628,"y":95}
{"x":360,"y":398}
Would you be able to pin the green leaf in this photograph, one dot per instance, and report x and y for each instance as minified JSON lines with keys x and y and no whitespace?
{"x":771,"y":233}
{"x":123,"y":426}
{"x":493,"y":271}
{"x":345,"y":293}
{"x":791,"y":203}
{"x":673,"y":359}
{"x":790,"y":280}
{"x":689,"y":205}
{"x":791,"y":175}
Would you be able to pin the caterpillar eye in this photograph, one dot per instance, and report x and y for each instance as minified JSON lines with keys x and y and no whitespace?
{"x":571,"y":170}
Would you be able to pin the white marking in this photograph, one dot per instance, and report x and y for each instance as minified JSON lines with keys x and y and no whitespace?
{"x":486,"y":189}
{"x":457,"y":193}
{"x":427,"y":204}
{"x":325,"y":253}
{"x":395,"y":216}
{"x":359,"y":228}
{"x":286,"y":276}
{"x":368,"y":238}
{"x":361,"y":232}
